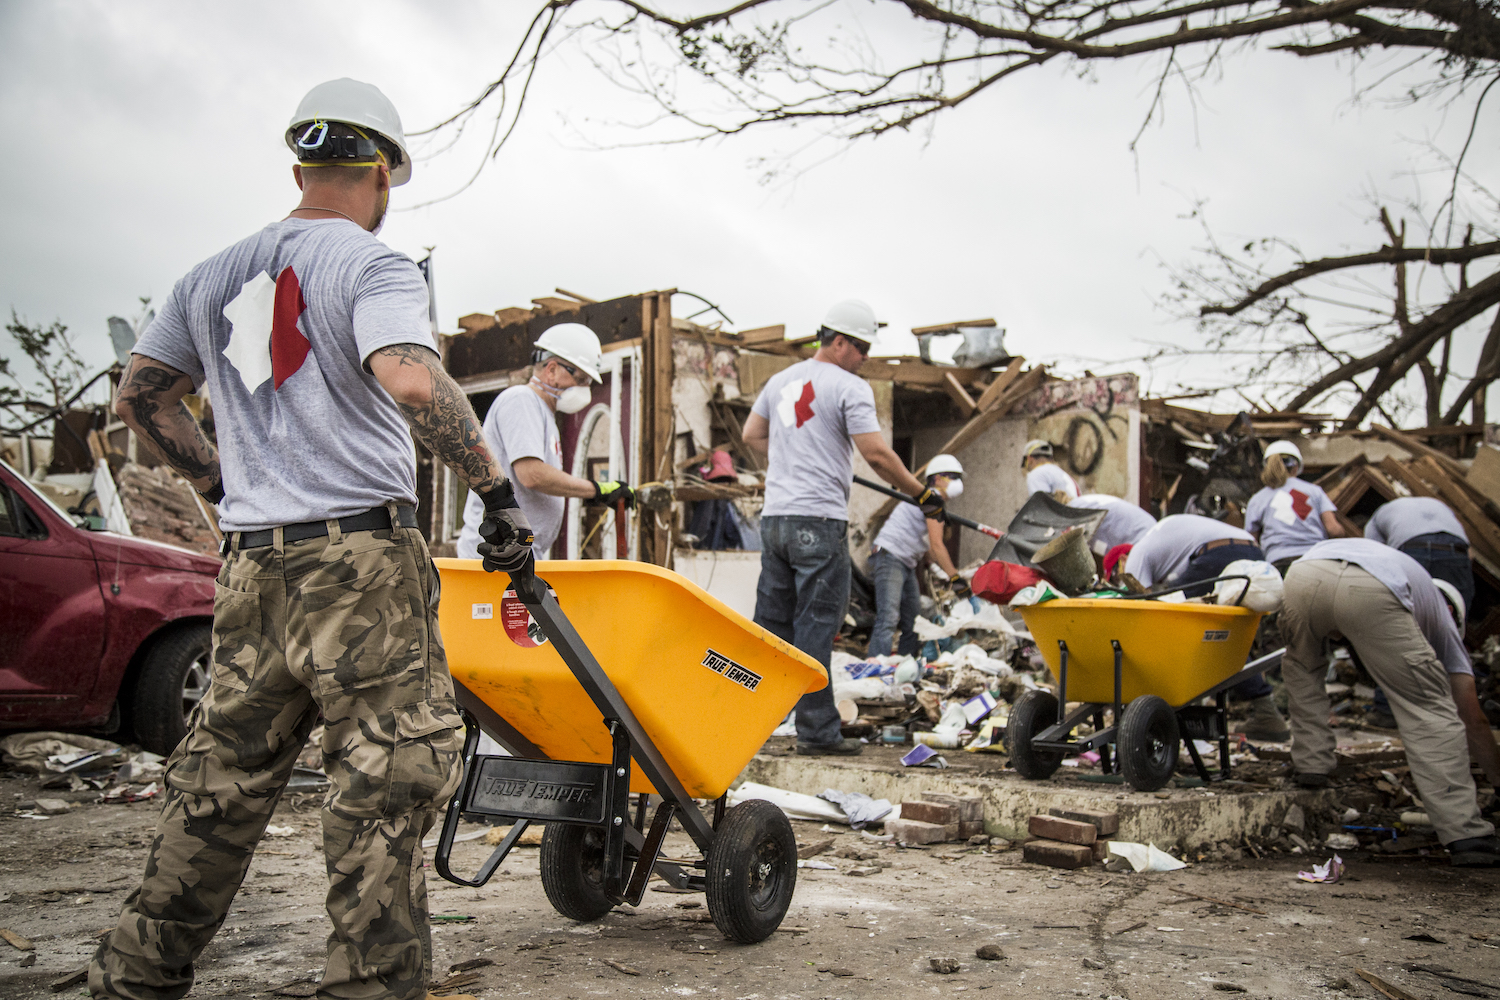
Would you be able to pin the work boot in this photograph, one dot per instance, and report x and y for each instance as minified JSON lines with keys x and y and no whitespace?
{"x":843,"y":748}
{"x":1304,"y":780}
{"x":1265,"y":722}
{"x":1475,"y":852}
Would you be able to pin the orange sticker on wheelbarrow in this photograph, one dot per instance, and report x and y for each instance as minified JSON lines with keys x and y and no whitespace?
{"x":728,"y":669}
{"x":518,"y":623}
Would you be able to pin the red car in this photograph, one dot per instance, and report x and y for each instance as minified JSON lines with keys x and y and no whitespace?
{"x":97,"y":630}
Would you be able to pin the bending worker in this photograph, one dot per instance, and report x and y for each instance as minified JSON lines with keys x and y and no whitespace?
{"x":1289,"y":515}
{"x":326,"y":608}
{"x":808,"y":419}
{"x":1386,"y":606}
{"x":1194,"y":547}
{"x":1043,"y":475}
{"x":906,"y":539}
{"x":521,"y":430}
{"x":1124,"y":523}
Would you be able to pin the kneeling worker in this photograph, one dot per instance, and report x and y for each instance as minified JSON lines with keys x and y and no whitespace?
{"x":521,"y":430}
{"x":1387,"y":607}
{"x":906,"y":538}
{"x":1043,"y":475}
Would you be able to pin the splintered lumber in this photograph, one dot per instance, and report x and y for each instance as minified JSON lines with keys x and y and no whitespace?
{"x":763,"y":335}
{"x":1001,"y":383}
{"x":958,"y":394}
{"x":941,"y":327}
{"x":1419,"y":449}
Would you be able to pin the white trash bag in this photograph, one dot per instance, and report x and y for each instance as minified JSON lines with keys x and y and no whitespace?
{"x":1264,"y":593}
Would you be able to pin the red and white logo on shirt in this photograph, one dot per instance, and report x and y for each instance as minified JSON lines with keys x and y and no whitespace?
{"x":264,"y":339}
{"x":1290,"y":506}
{"x":795,"y":408}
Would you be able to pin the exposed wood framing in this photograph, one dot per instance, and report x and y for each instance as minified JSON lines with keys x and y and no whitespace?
{"x":956,"y":392}
{"x":658,"y":422}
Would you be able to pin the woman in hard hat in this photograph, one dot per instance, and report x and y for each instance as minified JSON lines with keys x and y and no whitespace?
{"x":1043,"y":475}
{"x":908,"y":538}
{"x":1290,"y":515}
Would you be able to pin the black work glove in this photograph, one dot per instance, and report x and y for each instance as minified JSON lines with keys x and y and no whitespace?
{"x":609,"y":492}
{"x":214,"y":493}
{"x":931,"y":502}
{"x":961,"y":587}
{"x":506,"y":532}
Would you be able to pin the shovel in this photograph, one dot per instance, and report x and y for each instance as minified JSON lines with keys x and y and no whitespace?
{"x":984,"y":529}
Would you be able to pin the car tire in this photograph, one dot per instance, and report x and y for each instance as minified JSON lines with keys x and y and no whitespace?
{"x":173,"y":679}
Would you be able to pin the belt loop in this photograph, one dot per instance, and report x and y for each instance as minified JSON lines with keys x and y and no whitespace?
{"x":335,"y":531}
{"x":278,"y":540}
{"x":395,"y":512}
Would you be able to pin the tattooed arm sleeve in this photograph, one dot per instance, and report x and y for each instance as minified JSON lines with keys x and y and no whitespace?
{"x":438,"y":412}
{"x":150,"y":403}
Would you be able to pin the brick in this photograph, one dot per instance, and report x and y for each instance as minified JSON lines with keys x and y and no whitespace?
{"x":970,"y":829}
{"x":1101,"y":850}
{"x":910,"y":831}
{"x":1107,"y":823}
{"x":1069,"y":831}
{"x":1055,"y":854}
{"x":929,"y":812}
{"x":970,"y":807}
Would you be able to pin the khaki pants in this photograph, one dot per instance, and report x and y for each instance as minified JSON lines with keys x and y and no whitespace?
{"x":1326,"y":596}
{"x":346,"y":626}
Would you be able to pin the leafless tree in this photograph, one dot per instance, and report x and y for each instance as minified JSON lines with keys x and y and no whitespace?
{"x":763,"y":62}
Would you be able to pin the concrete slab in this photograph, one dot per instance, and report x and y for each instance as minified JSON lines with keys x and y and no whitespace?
{"x":1189,"y":818}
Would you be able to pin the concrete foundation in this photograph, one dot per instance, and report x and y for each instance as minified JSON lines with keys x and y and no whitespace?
{"x":1189,"y":818}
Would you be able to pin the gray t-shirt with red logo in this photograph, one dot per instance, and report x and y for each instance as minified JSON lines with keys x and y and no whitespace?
{"x":279,"y":327}
{"x":519,"y":425}
{"x":814,"y":408}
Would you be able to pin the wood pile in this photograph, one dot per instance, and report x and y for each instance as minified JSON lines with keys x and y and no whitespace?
{"x":164,"y":508}
{"x":1267,"y":423}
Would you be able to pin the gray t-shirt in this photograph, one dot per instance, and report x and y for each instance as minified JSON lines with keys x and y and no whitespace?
{"x":519,"y":425}
{"x":1049,"y":478}
{"x":1413,"y":587}
{"x":279,"y":327}
{"x":814,"y":408}
{"x":1288,"y":520}
{"x":1164,"y":552}
{"x":904,"y":534}
{"x":1123,"y":524}
{"x":1399,"y":521}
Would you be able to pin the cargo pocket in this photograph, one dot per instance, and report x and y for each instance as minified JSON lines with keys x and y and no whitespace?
{"x":426,"y":766}
{"x":236,"y":636}
{"x":362,"y":631}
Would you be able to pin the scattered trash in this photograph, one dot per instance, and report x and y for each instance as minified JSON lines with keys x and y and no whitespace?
{"x":817,"y":865}
{"x":43,"y":752}
{"x":1331,"y":871}
{"x":989,"y":952}
{"x":1145,"y":857}
{"x":860,"y":809}
{"x":16,"y":941}
{"x":123,"y":795}
{"x":621,"y":967}
{"x":923,"y":756}
{"x":812,"y":850}
{"x":279,"y":831}
{"x":944,"y":966}
{"x":1341,"y":842}
{"x":794,"y":804}
{"x":1411,"y":818}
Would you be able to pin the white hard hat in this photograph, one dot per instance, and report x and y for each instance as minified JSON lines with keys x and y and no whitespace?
{"x":1285,"y":448}
{"x":944,"y":465}
{"x":1039,"y":447}
{"x":1455,"y":600}
{"x":852,"y":318}
{"x":575,"y":344}
{"x":353,"y":103}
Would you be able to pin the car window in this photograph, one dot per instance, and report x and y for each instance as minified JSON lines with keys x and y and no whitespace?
{"x":9,"y":522}
{"x":38,"y":497}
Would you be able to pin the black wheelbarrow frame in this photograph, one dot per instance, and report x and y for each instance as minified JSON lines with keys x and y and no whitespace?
{"x":751,"y":894}
{"x":1142,"y":731}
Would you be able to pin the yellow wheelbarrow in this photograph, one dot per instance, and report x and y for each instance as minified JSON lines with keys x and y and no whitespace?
{"x":1150,"y":663}
{"x":660,"y":691}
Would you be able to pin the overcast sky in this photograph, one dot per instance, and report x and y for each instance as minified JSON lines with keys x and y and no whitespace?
{"x":147,"y":136}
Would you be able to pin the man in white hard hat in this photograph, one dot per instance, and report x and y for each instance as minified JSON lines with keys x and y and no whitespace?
{"x":521,"y":428}
{"x":313,"y":339}
{"x":1388,"y":609}
{"x":1043,"y":475}
{"x":904,"y":542}
{"x":809,"y":418}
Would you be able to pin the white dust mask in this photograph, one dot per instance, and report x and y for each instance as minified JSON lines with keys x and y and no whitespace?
{"x":574,"y":399}
{"x":955,"y":489}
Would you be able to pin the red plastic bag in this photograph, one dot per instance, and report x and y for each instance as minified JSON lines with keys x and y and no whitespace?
{"x":998,"y":581}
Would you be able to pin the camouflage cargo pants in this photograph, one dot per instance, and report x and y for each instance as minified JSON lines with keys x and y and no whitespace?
{"x":345,"y":625}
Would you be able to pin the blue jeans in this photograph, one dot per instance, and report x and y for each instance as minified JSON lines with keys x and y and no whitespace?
{"x":896,"y":602}
{"x":1208,"y":565}
{"x":802,"y":597}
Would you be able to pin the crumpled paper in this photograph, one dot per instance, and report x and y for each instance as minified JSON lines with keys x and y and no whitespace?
{"x":963,"y":616}
{"x":861,"y":809}
{"x":1331,"y":871}
{"x":1145,"y":857}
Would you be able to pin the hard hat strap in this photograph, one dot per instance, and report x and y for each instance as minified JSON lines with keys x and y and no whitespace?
{"x":315,"y":147}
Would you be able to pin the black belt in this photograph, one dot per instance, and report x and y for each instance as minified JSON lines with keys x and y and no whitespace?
{"x":374,"y":519}
{"x":1437,"y":547}
{"x":1219,"y":543}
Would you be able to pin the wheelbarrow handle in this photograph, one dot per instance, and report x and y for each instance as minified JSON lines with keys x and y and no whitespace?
{"x":947,"y":515}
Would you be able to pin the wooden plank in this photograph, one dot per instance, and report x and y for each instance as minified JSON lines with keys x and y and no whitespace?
{"x":1335,"y":476}
{"x":552,"y":304}
{"x":664,"y":423}
{"x":763,"y":335}
{"x":574,"y":295}
{"x":958,"y":395}
{"x":961,"y":324}
{"x":1484,"y":534}
{"x":1417,"y":448}
{"x":918,"y":372}
{"x":1484,"y":473}
{"x":1001,"y":383}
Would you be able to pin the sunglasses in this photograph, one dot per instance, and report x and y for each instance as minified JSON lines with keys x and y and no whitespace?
{"x":859,"y":345}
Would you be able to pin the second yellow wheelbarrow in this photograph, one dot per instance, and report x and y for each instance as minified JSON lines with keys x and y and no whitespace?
{"x":655,"y":689}
{"x":1149,"y":663}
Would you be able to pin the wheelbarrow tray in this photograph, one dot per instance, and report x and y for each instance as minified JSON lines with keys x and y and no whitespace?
{"x":1174,"y":651}
{"x":707,"y":684}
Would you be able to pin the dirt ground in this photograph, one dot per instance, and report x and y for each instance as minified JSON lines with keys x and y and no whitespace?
{"x":1087,"y":933}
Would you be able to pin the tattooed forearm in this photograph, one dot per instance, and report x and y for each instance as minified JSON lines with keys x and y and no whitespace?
{"x":150,"y":402}
{"x":440,"y":415}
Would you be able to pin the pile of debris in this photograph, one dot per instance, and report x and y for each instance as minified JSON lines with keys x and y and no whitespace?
{"x":163,"y":508}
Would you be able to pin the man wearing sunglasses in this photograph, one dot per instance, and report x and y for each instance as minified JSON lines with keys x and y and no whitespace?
{"x":521,"y":429}
{"x":808,"y":420}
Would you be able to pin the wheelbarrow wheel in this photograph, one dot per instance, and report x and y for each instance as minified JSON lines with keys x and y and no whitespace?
{"x":1032,"y":712}
{"x":1147,"y":743}
{"x":751,"y":871}
{"x":572,"y":863}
